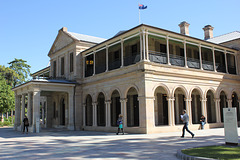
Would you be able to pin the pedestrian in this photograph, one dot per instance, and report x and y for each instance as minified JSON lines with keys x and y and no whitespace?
{"x":25,"y":124}
{"x":202,"y":121}
{"x":185,"y":119}
{"x":120,"y":124}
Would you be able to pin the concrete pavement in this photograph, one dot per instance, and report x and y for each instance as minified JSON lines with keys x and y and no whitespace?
{"x":100,"y":145}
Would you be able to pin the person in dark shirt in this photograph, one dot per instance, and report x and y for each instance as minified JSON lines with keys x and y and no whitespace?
{"x":25,"y":124}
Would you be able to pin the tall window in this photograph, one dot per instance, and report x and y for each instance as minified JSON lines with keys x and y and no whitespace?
{"x":71,"y":62}
{"x":62,"y":66}
{"x":54,"y":69}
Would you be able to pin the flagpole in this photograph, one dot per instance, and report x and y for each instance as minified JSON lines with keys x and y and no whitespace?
{"x":139,"y":15}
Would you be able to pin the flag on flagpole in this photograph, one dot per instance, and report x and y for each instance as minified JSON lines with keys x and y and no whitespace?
{"x":141,"y":6}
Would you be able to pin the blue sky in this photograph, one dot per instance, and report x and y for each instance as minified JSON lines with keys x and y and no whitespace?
{"x":29,"y":27}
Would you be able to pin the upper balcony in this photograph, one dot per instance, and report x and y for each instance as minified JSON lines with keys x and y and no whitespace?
{"x":145,"y":43}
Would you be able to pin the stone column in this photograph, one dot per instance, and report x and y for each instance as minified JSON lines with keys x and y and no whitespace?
{"x":214,"y":61}
{"x":171,"y":117}
{"x":141,"y":46}
{"x":71,"y":111}
{"x":50,"y":111}
{"x":200,"y":57}
{"x":144,"y":45}
{"x":94,"y":114}
{"x":189,"y":108}
{"x":147,"y":46}
{"x":94,"y":63}
{"x":204,"y":107}
{"x":123,"y":102}
{"x":17,"y":112}
{"x":84,"y":114}
{"x":22,"y":109}
{"x":217,"y":107}
{"x":168,"y":52}
{"x":108,"y":113}
{"x":106,"y":58}
{"x":146,"y":113}
{"x":236,"y":64}
{"x":229,"y":101}
{"x":36,"y":111}
{"x":122,"y":59}
{"x":226,"y":64}
{"x":29,"y":108}
{"x":185,"y":53}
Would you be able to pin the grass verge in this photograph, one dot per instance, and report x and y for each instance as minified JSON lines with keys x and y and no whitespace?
{"x":216,"y":152}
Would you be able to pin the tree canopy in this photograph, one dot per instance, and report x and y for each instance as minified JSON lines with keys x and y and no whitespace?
{"x":22,"y":70}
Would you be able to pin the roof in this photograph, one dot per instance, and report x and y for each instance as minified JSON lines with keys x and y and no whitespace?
{"x":47,"y":69}
{"x":82,"y":37}
{"x":168,"y":31}
{"x":225,"y":38}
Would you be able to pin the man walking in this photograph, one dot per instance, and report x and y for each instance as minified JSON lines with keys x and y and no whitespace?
{"x":185,"y":119}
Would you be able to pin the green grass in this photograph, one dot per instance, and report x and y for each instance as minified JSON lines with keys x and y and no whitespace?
{"x":216,"y":152}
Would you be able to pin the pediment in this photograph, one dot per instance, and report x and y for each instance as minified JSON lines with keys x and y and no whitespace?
{"x":60,"y":42}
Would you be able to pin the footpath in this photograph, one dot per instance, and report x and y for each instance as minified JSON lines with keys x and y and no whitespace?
{"x":68,"y":145}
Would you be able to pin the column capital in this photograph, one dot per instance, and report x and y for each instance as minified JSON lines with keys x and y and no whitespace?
{"x":170,"y":99}
{"x":229,"y":100}
{"x":108,"y":102}
{"x":203,"y":99}
{"x":84,"y":104}
{"x":188,"y":99}
{"x":216,"y":99}
{"x":95,"y":103}
{"x":122,"y":100}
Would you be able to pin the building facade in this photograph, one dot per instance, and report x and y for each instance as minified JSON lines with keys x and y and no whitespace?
{"x":147,"y":74}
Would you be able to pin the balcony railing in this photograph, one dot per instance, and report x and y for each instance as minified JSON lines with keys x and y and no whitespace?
{"x":176,"y":60}
{"x":193,"y":63}
{"x":207,"y":65}
{"x":231,"y":69}
{"x":100,"y":69}
{"x":158,"y":57}
{"x":114,"y":65}
{"x":131,"y":60}
{"x":88,"y":72}
{"x":220,"y":68}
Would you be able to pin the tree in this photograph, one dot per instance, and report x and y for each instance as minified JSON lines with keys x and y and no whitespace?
{"x":7,"y":100}
{"x":22,"y":69}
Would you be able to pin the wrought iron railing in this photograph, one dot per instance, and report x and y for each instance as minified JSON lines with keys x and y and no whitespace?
{"x":207,"y":65}
{"x":193,"y":63}
{"x":231,"y":69}
{"x":100,"y":69}
{"x":157,"y":57}
{"x":176,"y":60}
{"x":131,"y":59}
{"x":114,"y":65}
{"x":220,"y":67}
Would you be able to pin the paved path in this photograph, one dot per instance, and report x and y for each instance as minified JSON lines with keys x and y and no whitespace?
{"x":100,"y":145}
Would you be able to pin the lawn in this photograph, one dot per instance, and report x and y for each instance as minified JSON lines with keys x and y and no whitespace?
{"x":216,"y":152}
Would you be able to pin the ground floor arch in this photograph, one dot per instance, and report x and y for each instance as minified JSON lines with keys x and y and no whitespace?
{"x":223,"y":103}
{"x":179,"y":104}
{"x":132,"y":108}
{"x":196,"y":106}
{"x":160,"y":107}
{"x":88,"y":111}
{"x":115,"y":107}
{"x":101,"y":110}
{"x":211,"y":108}
{"x":235,"y":103}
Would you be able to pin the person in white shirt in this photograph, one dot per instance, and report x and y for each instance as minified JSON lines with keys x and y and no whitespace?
{"x":185,"y":120}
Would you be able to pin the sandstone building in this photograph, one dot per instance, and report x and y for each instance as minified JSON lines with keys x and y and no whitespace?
{"x":147,"y":74}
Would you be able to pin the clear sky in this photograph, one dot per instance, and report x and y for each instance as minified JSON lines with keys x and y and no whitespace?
{"x":28,"y":28}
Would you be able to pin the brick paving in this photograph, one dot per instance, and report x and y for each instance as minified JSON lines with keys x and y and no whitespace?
{"x":68,"y":145}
